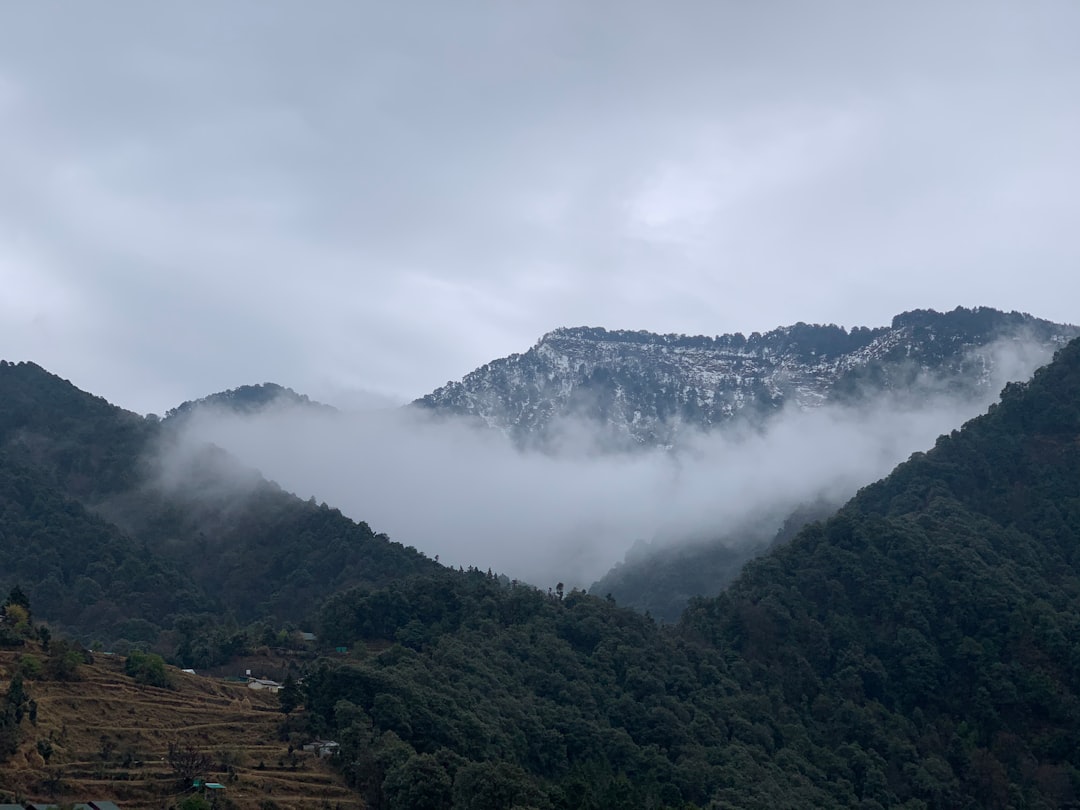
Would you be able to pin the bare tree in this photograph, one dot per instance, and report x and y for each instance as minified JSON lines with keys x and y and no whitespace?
{"x":187,"y":761}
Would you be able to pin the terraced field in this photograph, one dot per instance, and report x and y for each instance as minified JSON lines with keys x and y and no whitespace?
{"x":109,"y":737}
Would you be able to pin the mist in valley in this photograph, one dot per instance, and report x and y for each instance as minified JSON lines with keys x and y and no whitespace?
{"x":470,"y":496}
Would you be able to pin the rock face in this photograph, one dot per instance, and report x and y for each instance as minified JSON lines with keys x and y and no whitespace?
{"x":639,"y":389}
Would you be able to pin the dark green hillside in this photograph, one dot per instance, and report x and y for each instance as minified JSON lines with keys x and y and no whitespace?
{"x":115,"y":532}
{"x":82,"y":444}
{"x":919,"y":649}
{"x":268,"y":555}
{"x":84,"y":574}
{"x":498,"y":695}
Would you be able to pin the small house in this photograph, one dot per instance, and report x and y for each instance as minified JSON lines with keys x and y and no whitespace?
{"x":264,"y":683}
{"x":322,"y":748}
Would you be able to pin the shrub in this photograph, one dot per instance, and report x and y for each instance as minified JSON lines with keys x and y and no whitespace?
{"x":30,"y":666}
{"x":148,"y":668}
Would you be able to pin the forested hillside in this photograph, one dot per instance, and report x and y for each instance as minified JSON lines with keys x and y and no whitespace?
{"x":938,"y":613}
{"x":117,"y":533}
{"x":916,"y":650}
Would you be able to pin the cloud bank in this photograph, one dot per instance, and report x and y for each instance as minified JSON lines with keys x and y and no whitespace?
{"x":470,"y":497}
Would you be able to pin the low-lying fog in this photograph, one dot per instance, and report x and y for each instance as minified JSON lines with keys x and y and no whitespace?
{"x":470,"y":497}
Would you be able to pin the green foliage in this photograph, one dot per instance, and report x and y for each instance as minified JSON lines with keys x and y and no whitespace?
{"x":30,"y":666}
{"x":12,"y":710}
{"x":18,"y":598}
{"x":148,"y":668}
{"x":289,"y":695}
{"x":18,"y":619}
{"x":9,"y":638}
{"x":16,"y":699}
{"x":493,"y":785}
{"x":419,"y":783}
{"x":525,"y":698}
{"x":64,"y":660}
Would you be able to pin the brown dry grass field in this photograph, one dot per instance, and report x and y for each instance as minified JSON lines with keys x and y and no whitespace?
{"x":110,"y":735}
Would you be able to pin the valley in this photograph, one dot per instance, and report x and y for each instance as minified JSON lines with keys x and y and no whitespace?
{"x":911,"y":648}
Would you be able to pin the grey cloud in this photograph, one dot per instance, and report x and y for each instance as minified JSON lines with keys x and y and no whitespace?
{"x":391,"y":195}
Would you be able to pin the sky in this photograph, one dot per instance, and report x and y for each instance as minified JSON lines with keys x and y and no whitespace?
{"x":364,"y":200}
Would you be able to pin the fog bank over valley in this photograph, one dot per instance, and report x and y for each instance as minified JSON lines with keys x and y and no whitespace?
{"x":469,"y":496}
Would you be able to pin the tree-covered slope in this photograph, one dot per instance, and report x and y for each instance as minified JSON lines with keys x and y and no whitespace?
{"x":498,"y":695}
{"x":917,"y":650}
{"x":111,"y":522}
{"x":85,"y":446}
{"x":934,"y":621}
{"x":84,"y":573}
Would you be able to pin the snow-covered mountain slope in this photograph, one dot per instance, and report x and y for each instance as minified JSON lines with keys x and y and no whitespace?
{"x":643,"y":389}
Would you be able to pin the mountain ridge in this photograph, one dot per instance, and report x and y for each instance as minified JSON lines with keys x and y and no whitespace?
{"x":641,"y":389}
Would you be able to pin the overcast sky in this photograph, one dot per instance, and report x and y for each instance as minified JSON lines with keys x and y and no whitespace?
{"x":346,"y":196}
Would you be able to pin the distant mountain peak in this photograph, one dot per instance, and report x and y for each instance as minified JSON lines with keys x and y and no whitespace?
{"x":250,"y":399}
